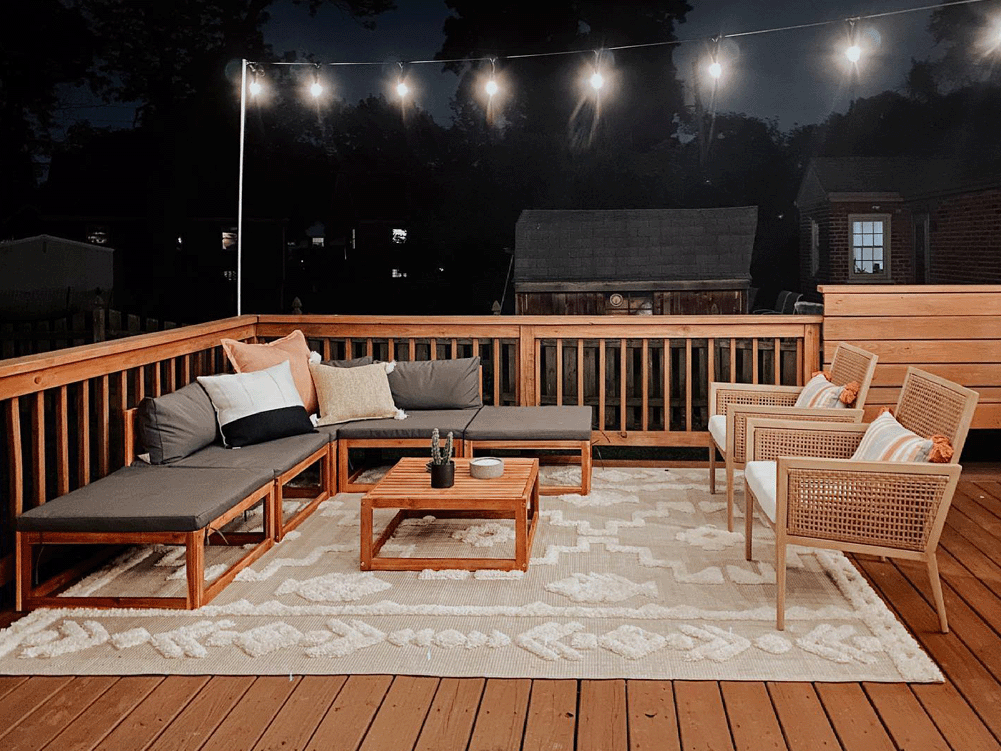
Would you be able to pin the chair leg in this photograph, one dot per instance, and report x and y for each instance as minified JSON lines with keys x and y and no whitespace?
{"x":729,"y":495}
{"x":712,"y":467}
{"x":585,"y":468}
{"x":748,"y":521}
{"x":780,"y":583}
{"x":24,"y":573}
{"x":936,"y":588}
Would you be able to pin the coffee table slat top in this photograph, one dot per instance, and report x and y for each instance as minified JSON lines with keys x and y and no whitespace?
{"x":409,"y":479}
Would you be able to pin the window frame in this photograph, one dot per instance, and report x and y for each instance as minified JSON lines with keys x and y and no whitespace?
{"x":860,"y":276}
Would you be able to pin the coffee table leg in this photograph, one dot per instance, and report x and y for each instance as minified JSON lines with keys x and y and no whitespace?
{"x":366,"y":535}
{"x":521,"y":538}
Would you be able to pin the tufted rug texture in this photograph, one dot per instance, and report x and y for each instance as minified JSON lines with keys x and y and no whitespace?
{"x":640,"y":579}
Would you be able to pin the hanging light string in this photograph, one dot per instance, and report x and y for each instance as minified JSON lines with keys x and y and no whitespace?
{"x":668,"y":43}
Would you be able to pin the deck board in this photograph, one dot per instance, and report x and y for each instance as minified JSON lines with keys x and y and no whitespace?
{"x":378,"y":712}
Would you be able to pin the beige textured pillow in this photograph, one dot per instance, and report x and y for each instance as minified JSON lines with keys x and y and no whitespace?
{"x":360,"y":393}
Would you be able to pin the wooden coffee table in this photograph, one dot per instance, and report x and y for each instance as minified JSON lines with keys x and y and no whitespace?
{"x":407,"y":486}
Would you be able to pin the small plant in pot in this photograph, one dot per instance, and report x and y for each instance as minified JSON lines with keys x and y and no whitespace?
{"x":441,"y":466}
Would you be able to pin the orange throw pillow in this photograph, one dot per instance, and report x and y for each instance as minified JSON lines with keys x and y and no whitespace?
{"x":247,"y":358}
{"x":849,"y":393}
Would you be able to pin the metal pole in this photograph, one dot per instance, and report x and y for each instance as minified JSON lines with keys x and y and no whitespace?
{"x":239,"y":205}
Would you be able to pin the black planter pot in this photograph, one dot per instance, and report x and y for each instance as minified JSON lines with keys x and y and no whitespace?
{"x":443,"y":475}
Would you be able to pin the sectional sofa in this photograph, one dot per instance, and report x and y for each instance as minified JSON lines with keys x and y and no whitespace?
{"x":181,"y":485}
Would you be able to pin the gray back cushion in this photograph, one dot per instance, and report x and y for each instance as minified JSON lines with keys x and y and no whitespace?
{"x":175,"y":425}
{"x":437,"y":384}
{"x":354,"y":362}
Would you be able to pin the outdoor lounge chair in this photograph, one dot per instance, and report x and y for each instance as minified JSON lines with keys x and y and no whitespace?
{"x":731,"y":404}
{"x":885,"y":508}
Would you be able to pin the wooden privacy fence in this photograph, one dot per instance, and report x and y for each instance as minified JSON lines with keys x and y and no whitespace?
{"x":647,"y":379}
{"x":953,"y":331}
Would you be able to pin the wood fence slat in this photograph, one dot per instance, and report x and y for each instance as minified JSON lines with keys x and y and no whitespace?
{"x":449,"y":722}
{"x":602,"y":725}
{"x":552,"y":716}
{"x":298,"y":719}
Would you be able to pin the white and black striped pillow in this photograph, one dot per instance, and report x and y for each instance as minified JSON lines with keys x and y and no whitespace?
{"x":258,"y":406}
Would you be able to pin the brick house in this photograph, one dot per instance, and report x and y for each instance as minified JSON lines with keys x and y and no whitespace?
{"x":634,"y":261}
{"x":898,"y":220}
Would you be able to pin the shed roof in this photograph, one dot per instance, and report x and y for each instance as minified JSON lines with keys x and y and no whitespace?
{"x":656,"y":245}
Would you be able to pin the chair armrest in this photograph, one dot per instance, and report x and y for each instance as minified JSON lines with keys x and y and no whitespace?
{"x":768,"y":439}
{"x":722,"y":394}
{"x":893,"y":505}
{"x":738,"y":414}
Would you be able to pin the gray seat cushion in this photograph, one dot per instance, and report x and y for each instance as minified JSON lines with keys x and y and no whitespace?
{"x":146,"y":499}
{"x":419,"y":424}
{"x":275,"y":456}
{"x":176,"y":425}
{"x":565,"y":423}
{"x":329,"y":430}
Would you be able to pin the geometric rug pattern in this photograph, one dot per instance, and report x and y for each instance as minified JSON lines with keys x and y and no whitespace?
{"x":639,"y":579}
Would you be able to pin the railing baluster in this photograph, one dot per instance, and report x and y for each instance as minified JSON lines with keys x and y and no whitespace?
{"x":688,"y":384}
{"x":799,"y":361}
{"x":433,"y":349}
{"x":601,"y":384}
{"x":710,"y":368}
{"x":733,"y":360}
{"x":498,"y":374}
{"x":171,"y":375}
{"x":646,"y":379}
{"x":186,"y":370}
{"x":778,"y":361}
{"x":667,"y":385}
{"x":83,"y":434}
{"x":754,"y":360}
{"x":38,"y":446}
{"x":139,"y":383}
{"x":157,"y":383}
{"x":559,"y":371}
{"x":326,"y":349}
{"x":102,"y":406}
{"x":368,"y":346}
{"x":16,"y":454}
{"x":622,"y":385}
{"x":349,"y":350}
{"x":412,"y":349}
{"x":62,"y":442}
{"x":580,"y":371}
{"x":538,"y":372}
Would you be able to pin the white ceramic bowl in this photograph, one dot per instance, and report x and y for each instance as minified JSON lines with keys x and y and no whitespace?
{"x":486,"y":467}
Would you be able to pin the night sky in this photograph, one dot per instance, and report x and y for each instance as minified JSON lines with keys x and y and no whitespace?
{"x":795,"y":76}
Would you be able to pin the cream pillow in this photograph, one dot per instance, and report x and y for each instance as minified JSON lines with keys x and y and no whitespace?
{"x":820,"y":393}
{"x":886,"y":440}
{"x":360,"y":393}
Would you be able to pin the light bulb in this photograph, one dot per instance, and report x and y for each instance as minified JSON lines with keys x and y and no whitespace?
{"x":491,"y":87}
{"x":402,"y":89}
{"x":597,"y":81}
{"x":255,"y":88}
{"x":316,"y":89}
{"x":715,"y":70}
{"x":854,"y":53}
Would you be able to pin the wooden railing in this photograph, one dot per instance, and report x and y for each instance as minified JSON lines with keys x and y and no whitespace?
{"x":951,"y":330}
{"x":646,"y":378}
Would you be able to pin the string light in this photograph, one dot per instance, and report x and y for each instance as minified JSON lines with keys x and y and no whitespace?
{"x":715,"y":70}
{"x":491,"y":87}
{"x":401,"y":85}
{"x":255,"y":86}
{"x":316,"y":88}
{"x":597,"y":80}
{"x":853,"y":51}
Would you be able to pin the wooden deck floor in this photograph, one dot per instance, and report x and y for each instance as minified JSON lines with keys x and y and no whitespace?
{"x":403,"y":712}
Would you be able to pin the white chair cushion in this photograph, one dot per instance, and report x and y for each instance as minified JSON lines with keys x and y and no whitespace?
{"x":761,"y":479}
{"x":717,"y":429}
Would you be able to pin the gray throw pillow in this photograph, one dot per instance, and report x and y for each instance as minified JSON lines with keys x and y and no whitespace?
{"x":176,"y":425}
{"x":437,"y":384}
{"x":355,"y":362}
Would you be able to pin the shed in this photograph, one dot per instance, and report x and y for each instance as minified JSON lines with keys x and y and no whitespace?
{"x":634,"y":261}
{"x":43,"y":275}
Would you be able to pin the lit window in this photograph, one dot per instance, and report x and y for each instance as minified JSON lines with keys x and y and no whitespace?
{"x":870,"y":244}
{"x":397,"y":274}
{"x":317,"y":242}
{"x":98,"y":236}
{"x":229,"y":275}
{"x":228,"y":240}
{"x":399,"y":236}
{"x":814,"y":247}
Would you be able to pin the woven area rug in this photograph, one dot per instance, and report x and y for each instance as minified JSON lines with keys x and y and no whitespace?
{"x":640,"y":579}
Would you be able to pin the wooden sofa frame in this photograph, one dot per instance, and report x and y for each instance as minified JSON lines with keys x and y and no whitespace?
{"x":46,"y":595}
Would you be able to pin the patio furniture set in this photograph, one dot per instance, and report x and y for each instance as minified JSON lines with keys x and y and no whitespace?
{"x":819,"y":476}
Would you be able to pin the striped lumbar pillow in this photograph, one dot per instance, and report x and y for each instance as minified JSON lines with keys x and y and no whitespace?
{"x":820,"y":393}
{"x":256,"y":407}
{"x":886,"y":440}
